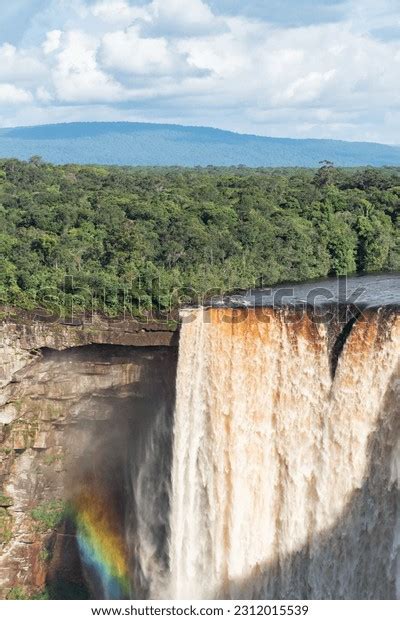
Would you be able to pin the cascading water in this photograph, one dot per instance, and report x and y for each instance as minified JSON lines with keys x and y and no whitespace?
{"x":284,"y":478}
{"x":122,"y":533}
{"x":147,"y":506}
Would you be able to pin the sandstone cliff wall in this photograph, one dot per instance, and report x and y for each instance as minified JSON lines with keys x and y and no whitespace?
{"x":69,"y":395}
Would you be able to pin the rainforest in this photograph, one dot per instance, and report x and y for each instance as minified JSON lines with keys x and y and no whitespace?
{"x":118,"y":240}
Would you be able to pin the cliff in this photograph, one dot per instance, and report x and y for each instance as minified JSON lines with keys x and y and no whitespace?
{"x":69,"y":395}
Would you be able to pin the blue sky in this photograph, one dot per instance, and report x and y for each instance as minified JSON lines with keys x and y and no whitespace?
{"x":298,"y":68}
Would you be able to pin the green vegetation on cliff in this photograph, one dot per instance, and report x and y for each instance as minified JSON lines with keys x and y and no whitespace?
{"x":48,"y":515}
{"x":116,"y":238}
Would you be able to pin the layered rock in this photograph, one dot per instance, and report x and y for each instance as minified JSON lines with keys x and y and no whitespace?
{"x":68,"y":394}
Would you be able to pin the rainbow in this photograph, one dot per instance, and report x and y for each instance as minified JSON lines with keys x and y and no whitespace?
{"x":102,"y":547}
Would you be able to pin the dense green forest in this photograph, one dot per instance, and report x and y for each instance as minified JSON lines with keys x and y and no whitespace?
{"x":114,"y":239}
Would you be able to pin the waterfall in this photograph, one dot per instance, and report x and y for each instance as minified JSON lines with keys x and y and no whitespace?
{"x":285,"y":474}
{"x":147,"y":507}
{"x":121,"y":516}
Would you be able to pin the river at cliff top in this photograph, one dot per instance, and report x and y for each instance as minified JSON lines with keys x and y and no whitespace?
{"x":363,"y":291}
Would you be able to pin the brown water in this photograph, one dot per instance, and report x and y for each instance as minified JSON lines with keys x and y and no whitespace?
{"x":285,"y":477}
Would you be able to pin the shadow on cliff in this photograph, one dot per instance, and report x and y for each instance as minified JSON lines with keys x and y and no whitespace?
{"x":356,"y":558}
{"x":105,"y":480}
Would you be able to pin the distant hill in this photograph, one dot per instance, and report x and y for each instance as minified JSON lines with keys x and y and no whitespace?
{"x":142,"y":144}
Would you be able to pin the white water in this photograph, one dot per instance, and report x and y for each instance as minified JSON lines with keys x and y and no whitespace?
{"x":284,"y":480}
{"x":148,"y":470}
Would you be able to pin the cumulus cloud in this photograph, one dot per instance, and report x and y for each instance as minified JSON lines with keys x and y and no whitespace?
{"x":185,"y":61}
{"x":119,"y":12}
{"x":43,"y":95}
{"x":76,"y":75}
{"x":19,"y":65}
{"x":11,"y":95}
{"x":185,"y":18}
{"x":52,"y":42}
{"x":126,"y":51}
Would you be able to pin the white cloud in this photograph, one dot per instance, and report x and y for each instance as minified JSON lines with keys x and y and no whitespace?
{"x":128,"y":52}
{"x":11,"y":95}
{"x":119,"y":12}
{"x":19,"y":65}
{"x":43,"y":95}
{"x":367,"y":15}
{"x":305,"y":89}
{"x":52,"y":42}
{"x":185,"y":17}
{"x":76,"y":75}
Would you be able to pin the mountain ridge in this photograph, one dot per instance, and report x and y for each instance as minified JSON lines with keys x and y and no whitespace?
{"x":159,"y":144}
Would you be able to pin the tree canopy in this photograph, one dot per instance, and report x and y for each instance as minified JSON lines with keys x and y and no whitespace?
{"x":113,"y":239}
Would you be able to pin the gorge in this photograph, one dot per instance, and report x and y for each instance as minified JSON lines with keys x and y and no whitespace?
{"x":261,"y":460}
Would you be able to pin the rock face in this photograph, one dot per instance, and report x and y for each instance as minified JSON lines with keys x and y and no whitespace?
{"x":69,"y":396}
